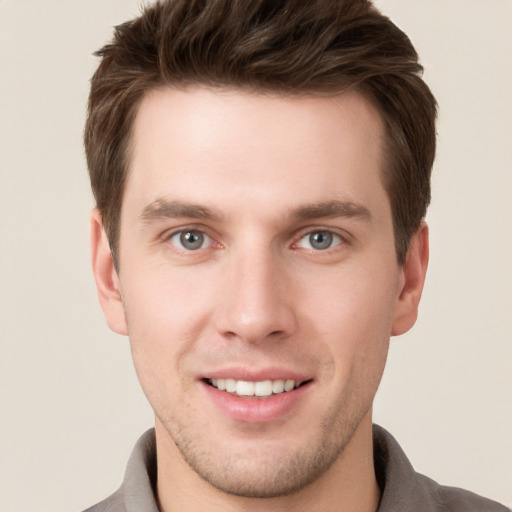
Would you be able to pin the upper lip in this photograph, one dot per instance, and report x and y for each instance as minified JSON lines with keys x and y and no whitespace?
{"x":256,"y":375}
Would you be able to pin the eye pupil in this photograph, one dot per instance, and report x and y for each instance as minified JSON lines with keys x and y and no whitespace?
{"x":320,"y":240}
{"x":192,"y":239}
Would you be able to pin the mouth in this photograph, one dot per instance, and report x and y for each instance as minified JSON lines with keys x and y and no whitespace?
{"x":262,"y":399}
{"x":257,"y":389}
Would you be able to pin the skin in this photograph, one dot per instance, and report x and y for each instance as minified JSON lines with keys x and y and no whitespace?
{"x":257,"y":174}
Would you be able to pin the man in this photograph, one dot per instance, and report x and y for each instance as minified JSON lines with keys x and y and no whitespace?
{"x":261,"y":171}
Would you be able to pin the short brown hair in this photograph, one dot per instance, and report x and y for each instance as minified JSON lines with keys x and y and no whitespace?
{"x":283,"y":46}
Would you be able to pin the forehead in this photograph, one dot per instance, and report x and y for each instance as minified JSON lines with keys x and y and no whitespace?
{"x":215,"y":143}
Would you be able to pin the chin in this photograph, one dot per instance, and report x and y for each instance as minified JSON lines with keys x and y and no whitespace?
{"x":265,"y":469}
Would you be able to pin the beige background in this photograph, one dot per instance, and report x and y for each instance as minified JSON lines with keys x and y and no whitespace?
{"x":70,"y":405}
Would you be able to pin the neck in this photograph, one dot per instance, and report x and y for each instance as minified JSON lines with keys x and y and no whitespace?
{"x":349,"y":485}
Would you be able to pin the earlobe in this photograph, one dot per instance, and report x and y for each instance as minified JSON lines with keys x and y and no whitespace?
{"x":106,"y":277}
{"x":413,"y":278}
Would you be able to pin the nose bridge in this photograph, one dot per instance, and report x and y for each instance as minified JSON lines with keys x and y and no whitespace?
{"x":256,"y":302}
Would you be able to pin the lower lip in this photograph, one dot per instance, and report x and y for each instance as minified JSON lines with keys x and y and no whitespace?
{"x":255,"y":409}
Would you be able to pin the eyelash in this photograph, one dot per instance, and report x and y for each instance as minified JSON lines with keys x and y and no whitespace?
{"x":190,"y":229}
{"x":336,"y":238}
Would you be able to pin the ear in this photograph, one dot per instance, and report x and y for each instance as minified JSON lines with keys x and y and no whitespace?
{"x":106,"y":277}
{"x":412,"y":280}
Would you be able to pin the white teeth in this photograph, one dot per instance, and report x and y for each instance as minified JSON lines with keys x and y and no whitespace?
{"x":278,"y":386}
{"x":261,"y":388}
{"x":230,"y":385}
{"x":289,"y":385}
{"x":244,"y":388}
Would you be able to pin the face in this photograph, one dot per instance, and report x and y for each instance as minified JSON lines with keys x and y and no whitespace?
{"x":258,"y":280}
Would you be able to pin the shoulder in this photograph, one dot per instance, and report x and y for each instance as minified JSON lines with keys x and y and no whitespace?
{"x":454,"y":499}
{"x":136,"y":493}
{"x":114,"y":503}
{"x":403,"y":489}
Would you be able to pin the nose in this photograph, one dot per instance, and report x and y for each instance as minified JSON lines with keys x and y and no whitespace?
{"x":255,"y":301}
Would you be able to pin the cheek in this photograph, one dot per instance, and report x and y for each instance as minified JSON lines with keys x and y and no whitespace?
{"x":163,"y":303}
{"x":164,"y":323}
{"x":353,"y":318}
{"x":352,"y":302}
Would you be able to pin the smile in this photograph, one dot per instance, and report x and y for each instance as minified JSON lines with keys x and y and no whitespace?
{"x":263,"y":388}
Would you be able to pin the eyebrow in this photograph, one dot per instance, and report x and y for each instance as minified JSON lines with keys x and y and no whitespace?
{"x":332,"y":209}
{"x":161,"y":209}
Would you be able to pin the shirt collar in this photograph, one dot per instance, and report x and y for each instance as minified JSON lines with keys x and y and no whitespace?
{"x":401,"y":490}
{"x":139,"y":484}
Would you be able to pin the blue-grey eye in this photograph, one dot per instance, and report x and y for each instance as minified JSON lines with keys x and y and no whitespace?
{"x":319,"y":240}
{"x":190,"y":240}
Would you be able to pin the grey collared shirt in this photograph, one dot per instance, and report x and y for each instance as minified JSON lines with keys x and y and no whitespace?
{"x":403,"y":490}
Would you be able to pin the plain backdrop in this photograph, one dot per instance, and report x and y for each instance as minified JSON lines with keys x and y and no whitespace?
{"x":70,"y":405}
